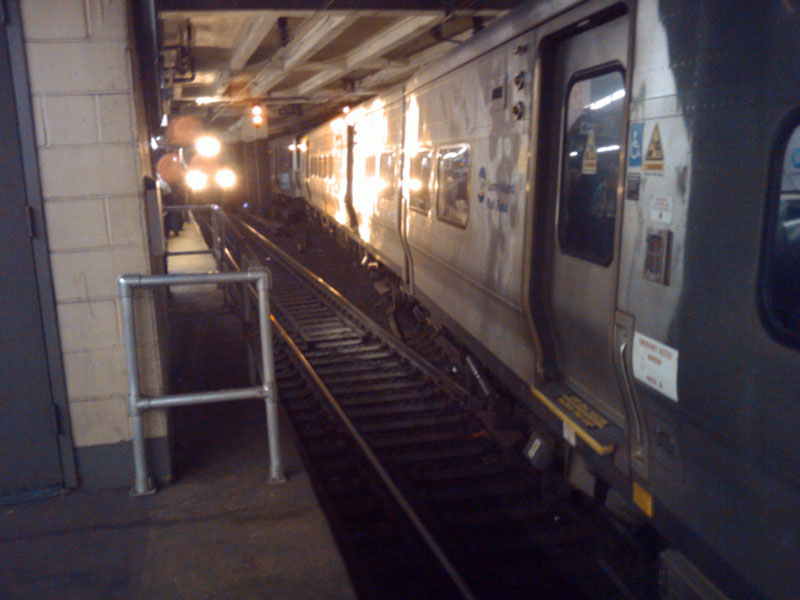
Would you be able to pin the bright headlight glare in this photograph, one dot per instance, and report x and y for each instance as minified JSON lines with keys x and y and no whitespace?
{"x":225,"y":178}
{"x":207,"y":146}
{"x":196,"y":180}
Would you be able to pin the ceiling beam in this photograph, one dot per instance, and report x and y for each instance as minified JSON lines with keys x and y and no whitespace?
{"x":243,"y":48}
{"x":393,"y":72}
{"x":378,"y":44}
{"x":314,"y":5}
{"x":310,"y":37}
{"x":251,"y":39}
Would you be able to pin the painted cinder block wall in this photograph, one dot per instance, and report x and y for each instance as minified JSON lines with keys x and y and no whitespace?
{"x":92,"y":153}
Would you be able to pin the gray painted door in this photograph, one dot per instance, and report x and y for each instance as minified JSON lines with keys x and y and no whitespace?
{"x":588,"y":74}
{"x":29,"y":455}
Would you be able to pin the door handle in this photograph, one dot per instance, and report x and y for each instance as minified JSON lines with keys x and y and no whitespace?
{"x":638,"y":444}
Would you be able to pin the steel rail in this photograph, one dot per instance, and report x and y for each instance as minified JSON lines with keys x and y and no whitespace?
{"x":362,"y":318}
{"x":370,"y":455}
{"x":405,"y":505}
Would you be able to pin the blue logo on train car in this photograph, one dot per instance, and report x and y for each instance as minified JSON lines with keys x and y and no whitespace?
{"x":636,"y":145}
{"x":796,"y":158}
{"x":482,"y":183}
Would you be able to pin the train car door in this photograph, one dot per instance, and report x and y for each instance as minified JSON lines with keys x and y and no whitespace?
{"x":578,"y":219}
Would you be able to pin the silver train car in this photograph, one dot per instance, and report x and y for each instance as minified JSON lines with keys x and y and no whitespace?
{"x":285,"y":173}
{"x":602,"y":199}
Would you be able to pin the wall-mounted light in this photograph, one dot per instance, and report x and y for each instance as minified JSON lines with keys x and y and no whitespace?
{"x":257,"y":115}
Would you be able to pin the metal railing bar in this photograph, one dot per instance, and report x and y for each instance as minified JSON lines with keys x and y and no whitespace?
{"x":200,"y":398}
{"x":136,"y":403}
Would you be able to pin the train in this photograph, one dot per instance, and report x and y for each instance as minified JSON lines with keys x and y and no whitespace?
{"x":601,"y":198}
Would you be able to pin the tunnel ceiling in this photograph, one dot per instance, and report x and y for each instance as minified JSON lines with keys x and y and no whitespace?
{"x":304,"y":60}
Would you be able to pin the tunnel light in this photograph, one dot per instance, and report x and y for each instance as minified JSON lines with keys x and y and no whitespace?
{"x":415,"y":185}
{"x":196,"y":180}
{"x":207,"y":146}
{"x":257,"y":115}
{"x":346,"y":109}
{"x":225,"y":178}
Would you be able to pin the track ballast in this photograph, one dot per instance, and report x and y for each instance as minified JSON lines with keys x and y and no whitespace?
{"x":456,"y":513}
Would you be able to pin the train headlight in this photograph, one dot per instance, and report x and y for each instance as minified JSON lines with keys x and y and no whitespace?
{"x":207,"y":146}
{"x":196,"y":180}
{"x":225,"y":178}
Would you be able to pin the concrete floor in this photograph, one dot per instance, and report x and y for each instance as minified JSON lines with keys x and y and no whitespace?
{"x":219,"y":531}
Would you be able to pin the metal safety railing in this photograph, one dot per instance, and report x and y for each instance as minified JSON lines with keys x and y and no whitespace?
{"x":137,"y":403}
{"x":217,"y":230}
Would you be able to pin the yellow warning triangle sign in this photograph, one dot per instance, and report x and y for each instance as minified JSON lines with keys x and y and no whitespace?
{"x":655,"y":152}
{"x":589,"y":163}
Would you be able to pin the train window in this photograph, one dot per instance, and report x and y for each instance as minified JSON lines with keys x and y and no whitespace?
{"x":419,"y":197}
{"x":590,"y":167}
{"x":782,"y":257}
{"x":369,"y":166}
{"x":452,"y":198}
{"x":387,"y":167}
{"x":386,"y":173}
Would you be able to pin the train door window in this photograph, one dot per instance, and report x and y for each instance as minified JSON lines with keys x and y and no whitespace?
{"x":452,"y":197}
{"x":386,"y":173}
{"x":781,"y":272}
{"x":420,"y":184}
{"x":590,"y":166}
{"x":369,"y":166}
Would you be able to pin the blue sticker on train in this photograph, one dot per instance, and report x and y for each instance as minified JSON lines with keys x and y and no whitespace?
{"x":796,"y":158}
{"x":482,"y":184}
{"x":636,"y":145}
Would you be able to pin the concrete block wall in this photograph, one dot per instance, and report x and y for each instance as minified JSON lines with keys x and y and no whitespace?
{"x":90,"y":161}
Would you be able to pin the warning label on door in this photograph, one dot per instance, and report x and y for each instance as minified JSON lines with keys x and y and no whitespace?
{"x":656,"y":365}
{"x":589,"y":166}
{"x":654,"y":158}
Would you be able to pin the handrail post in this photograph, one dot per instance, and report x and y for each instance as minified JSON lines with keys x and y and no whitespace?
{"x":215,"y":235}
{"x":136,"y":403}
{"x":143,"y":484}
{"x":268,"y":374}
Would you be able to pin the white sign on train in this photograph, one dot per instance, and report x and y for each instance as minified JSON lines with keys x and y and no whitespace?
{"x":661,"y":210}
{"x":656,"y":365}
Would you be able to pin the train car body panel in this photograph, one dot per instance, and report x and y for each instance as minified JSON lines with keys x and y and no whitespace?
{"x":709,"y":110}
{"x":604,"y":197}
{"x":285,"y":167}
{"x":326,"y":163}
{"x":377,"y":159}
{"x":465,"y":198}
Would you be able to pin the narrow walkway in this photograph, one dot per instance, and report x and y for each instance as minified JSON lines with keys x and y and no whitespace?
{"x":219,"y":531}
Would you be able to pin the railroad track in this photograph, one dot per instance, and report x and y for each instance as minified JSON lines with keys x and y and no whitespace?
{"x":423,"y":501}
